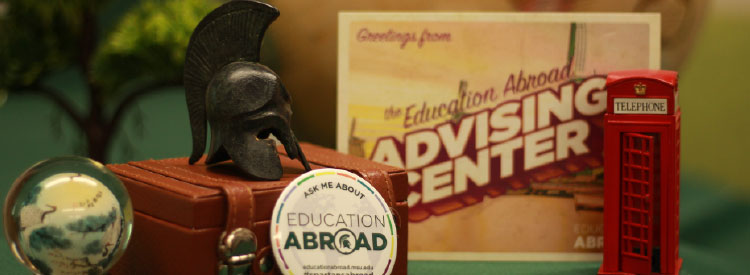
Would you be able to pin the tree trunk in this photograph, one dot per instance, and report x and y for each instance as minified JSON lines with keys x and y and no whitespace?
{"x":97,"y":139}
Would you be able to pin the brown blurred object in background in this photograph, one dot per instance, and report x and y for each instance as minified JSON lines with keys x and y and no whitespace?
{"x":305,"y":37}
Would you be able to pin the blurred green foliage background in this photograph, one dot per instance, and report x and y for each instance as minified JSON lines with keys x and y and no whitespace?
{"x":120,"y":51}
{"x":143,"y":43}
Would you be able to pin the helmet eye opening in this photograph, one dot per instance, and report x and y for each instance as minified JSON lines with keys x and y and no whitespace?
{"x":265,"y":133}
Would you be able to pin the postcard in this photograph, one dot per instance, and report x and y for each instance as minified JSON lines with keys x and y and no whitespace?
{"x":497,"y":119}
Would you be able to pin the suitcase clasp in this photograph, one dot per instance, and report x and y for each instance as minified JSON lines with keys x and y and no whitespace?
{"x":237,"y":251}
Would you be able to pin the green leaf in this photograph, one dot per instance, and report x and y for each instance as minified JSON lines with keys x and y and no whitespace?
{"x":33,"y":195}
{"x":93,"y":223}
{"x":50,"y":237}
{"x":148,"y":43}
{"x":40,"y":265}
{"x":38,"y":36}
{"x":94,"y":247}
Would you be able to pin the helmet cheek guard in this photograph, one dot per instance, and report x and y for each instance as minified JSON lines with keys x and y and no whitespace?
{"x":252,"y":149}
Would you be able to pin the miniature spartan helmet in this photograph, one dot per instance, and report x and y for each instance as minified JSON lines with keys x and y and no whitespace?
{"x":243,"y":100}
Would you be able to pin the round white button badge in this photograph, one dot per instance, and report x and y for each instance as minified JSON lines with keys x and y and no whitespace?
{"x":332,"y":222}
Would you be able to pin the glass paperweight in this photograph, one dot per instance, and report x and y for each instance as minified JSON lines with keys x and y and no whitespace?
{"x":68,"y":215}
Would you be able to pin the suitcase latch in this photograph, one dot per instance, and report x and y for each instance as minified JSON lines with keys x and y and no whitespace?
{"x":237,"y":251}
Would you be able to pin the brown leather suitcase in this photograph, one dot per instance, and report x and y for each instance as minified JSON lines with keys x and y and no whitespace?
{"x":182,"y":210}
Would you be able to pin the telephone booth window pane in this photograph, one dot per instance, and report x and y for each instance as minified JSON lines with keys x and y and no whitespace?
{"x":637,"y":188}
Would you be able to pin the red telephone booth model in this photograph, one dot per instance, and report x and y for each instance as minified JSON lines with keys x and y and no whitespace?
{"x":641,"y":173}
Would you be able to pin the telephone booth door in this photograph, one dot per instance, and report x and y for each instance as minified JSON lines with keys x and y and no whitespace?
{"x":639,"y":152}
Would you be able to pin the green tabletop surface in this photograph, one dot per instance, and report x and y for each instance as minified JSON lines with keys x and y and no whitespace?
{"x":714,"y":239}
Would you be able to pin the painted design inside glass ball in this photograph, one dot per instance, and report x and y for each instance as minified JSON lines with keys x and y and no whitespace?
{"x":69,"y":215}
{"x":73,"y":213}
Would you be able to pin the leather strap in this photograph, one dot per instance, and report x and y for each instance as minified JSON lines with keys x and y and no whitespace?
{"x":382,"y":182}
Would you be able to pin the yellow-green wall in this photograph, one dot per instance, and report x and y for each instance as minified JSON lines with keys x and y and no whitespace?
{"x":714,"y":96}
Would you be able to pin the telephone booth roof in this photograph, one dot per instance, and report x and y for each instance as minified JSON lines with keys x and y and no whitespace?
{"x":640,"y":88}
{"x":667,"y":77}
